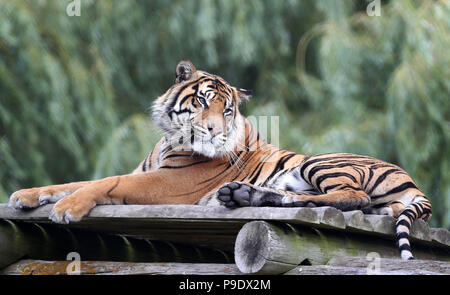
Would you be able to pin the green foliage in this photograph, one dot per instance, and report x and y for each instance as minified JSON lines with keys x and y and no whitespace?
{"x":386,"y":82}
{"x":57,"y":102}
{"x":74,"y":91}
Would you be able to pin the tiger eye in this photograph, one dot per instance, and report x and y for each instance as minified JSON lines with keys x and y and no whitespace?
{"x":228,"y":111}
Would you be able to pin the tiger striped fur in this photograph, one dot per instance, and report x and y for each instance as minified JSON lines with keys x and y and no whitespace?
{"x":211,"y":153}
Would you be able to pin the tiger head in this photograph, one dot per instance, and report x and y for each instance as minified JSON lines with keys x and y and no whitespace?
{"x":200,"y":112}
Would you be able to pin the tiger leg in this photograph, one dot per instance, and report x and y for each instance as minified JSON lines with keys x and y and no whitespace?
{"x":164,"y":186}
{"x":238,"y":194}
{"x":38,"y":196}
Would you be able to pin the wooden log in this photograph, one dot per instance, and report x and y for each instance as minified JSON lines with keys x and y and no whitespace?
{"x":41,"y":267}
{"x":50,"y":242}
{"x":263,"y":247}
{"x":13,"y":244}
{"x":273,"y":248}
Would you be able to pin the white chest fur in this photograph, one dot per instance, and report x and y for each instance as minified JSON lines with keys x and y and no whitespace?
{"x":291,"y":181}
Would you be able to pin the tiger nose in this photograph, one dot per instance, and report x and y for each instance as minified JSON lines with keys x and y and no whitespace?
{"x":213,"y":129}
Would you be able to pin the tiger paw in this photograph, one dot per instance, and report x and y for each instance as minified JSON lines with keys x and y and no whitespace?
{"x":238,"y":194}
{"x":31,"y":198}
{"x":235,"y":194}
{"x":70,"y":209}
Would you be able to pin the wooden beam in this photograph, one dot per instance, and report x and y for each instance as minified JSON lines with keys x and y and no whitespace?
{"x":171,"y":212}
{"x":274,"y":248}
{"x":357,"y":221}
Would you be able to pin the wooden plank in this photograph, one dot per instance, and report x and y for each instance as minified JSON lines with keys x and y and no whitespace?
{"x":171,"y":212}
{"x":372,"y":265}
{"x":336,"y":266}
{"x":356,"y":220}
{"x":345,"y":270}
{"x":396,"y":264}
{"x":420,"y":231}
{"x":40,"y":267}
{"x":440,"y":236}
{"x":330,"y":216}
{"x":326,"y":270}
{"x":382,"y":224}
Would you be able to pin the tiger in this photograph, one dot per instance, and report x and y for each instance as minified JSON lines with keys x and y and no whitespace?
{"x":210,"y":152}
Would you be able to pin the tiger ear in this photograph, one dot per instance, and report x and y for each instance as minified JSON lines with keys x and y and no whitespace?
{"x":243,"y":94}
{"x":184,"y":71}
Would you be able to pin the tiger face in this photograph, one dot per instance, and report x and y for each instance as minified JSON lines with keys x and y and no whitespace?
{"x":200,"y":112}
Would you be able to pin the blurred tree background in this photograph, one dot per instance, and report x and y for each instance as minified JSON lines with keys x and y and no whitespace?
{"x":75,"y":91}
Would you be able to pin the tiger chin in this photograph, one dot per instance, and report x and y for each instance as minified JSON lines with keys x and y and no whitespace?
{"x":210,"y":151}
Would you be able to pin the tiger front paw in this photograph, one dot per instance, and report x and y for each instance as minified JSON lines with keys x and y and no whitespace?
{"x":70,"y":209}
{"x":31,"y":198}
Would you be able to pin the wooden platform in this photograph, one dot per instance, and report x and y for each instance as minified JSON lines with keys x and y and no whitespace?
{"x":200,"y":234}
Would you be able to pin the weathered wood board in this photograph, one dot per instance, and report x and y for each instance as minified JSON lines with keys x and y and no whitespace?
{"x":40,"y":267}
{"x":373,"y":266}
{"x":338,"y":266}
